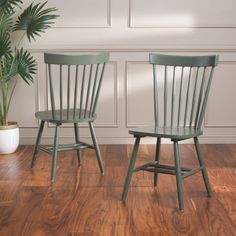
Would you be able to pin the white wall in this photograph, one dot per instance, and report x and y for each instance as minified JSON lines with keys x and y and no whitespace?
{"x":130,"y":30}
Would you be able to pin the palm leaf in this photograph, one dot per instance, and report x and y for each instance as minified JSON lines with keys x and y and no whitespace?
{"x":8,"y":67}
{"x":22,"y":64}
{"x":26,"y":65}
{"x":5,"y":43}
{"x":5,"y":21}
{"x":8,"y":6}
{"x":5,"y":30}
{"x":34,"y":20}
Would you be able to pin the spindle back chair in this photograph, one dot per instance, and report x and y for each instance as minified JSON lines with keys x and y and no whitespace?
{"x":181,"y":86}
{"x":74,"y":84}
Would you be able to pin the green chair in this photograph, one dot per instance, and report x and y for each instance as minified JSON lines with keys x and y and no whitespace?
{"x":74,"y":82}
{"x":181,"y":88}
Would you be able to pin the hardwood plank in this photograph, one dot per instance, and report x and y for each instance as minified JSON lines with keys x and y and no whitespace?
{"x":22,"y":216}
{"x":83,"y":202}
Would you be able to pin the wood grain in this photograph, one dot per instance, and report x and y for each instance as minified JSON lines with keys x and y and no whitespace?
{"x":83,"y":202}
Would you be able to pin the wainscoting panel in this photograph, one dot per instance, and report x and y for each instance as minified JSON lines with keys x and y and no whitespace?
{"x":169,"y":13}
{"x":25,"y":102}
{"x":79,"y":13}
{"x":219,"y":111}
{"x":139,"y":107}
{"x":107,"y":106}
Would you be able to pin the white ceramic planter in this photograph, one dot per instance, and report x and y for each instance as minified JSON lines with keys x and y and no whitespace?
{"x":9,"y":138}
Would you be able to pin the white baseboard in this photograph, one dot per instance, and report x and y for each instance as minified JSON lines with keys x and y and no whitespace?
{"x":130,"y":140}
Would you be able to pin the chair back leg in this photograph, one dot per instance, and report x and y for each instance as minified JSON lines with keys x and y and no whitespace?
{"x":130,"y":169}
{"x":202,"y":164}
{"x":54,"y":154}
{"x":37,"y":143}
{"x":97,"y":150}
{"x":76,"y":129}
{"x":178,"y":176}
{"x":157,"y":159}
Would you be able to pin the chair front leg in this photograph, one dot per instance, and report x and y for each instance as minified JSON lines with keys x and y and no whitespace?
{"x":76,"y":129}
{"x":202,"y":164}
{"x":54,"y":154}
{"x":37,"y":143}
{"x":178,"y":176}
{"x":157,"y":158}
{"x":130,"y":169}
{"x":97,"y":150}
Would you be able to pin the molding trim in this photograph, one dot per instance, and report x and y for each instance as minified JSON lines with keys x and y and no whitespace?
{"x":107,"y":25}
{"x":37,"y":103}
{"x":205,"y":25}
{"x":161,"y":48}
{"x":207,"y":124}
{"x":127,"y":124}
{"x":115,"y":105}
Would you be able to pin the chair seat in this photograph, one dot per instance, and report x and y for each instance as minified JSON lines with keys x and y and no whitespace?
{"x":167,"y":132}
{"x":65,"y":117}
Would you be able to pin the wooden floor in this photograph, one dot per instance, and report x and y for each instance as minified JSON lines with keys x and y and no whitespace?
{"x":83,"y":202}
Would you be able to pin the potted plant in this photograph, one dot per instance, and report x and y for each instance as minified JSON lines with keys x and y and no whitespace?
{"x":16,"y":62}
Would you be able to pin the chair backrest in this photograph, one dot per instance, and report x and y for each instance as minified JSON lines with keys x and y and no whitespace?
{"x":74,"y":83}
{"x":181,"y":88}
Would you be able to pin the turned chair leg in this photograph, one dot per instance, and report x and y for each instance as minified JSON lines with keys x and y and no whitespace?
{"x":130,"y":169}
{"x":34,"y":157}
{"x":157,"y":158}
{"x":54,"y":154}
{"x":202,"y":164}
{"x":97,"y":150}
{"x":76,"y":129}
{"x":178,"y":176}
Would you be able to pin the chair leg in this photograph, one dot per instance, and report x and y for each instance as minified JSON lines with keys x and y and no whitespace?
{"x":76,"y":129}
{"x":157,"y":158}
{"x":37,"y":143}
{"x":97,"y":150}
{"x":202,"y":164}
{"x":178,"y":176}
{"x":54,"y":154}
{"x":130,"y":169}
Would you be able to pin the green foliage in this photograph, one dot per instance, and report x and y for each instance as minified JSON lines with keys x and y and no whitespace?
{"x":8,"y":6}
{"x":23,"y":64}
{"x":6,"y":21}
{"x":5,"y":43}
{"x":34,"y":20}
{"x":15,"y":62}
